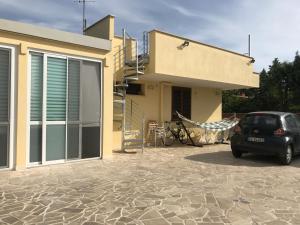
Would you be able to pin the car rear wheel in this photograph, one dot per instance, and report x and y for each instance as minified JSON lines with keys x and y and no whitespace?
{"x":236,"y":153}
{"x":287,"y":156}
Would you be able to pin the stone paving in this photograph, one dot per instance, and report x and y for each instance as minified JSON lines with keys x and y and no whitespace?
{"x":176,"y":186}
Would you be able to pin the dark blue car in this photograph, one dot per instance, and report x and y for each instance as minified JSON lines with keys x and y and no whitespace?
{"x":267,"y":133}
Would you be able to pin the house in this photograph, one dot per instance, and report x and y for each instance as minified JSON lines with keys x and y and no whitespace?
{"x":60,"y":92}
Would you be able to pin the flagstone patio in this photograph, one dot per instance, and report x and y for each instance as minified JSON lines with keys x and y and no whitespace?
{"x":183,"y":185}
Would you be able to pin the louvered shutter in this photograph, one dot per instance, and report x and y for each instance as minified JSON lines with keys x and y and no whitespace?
{"x":56,"y":89}
{"x":73,"y":90}
{"x":4,"y":85}
{"x":36,"y":87}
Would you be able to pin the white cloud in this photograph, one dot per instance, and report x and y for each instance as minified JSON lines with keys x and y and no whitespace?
{"x":273,"y":24}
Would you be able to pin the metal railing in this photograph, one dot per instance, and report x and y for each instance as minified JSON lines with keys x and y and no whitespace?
{"x":129,"y":65}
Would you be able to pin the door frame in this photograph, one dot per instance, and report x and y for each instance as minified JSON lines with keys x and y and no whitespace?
{"x":172,"y":99}
{"x":11,"y":101}
{"x":67,"y":57}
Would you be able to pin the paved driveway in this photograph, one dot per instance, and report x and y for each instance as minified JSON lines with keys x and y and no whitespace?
{"x":162,"y":186}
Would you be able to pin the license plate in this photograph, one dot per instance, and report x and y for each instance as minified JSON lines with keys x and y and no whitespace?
{"x":255,"y":139}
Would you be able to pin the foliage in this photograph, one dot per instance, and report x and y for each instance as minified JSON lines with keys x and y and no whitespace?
{"x":279,"y":90}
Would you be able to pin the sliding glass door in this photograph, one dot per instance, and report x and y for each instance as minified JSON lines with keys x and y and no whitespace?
{"x":4,"y":106}
{"x":90,"y":116}
{"x":56,"y":108}
{"x":65,"y":94}
{"x":36,"y":107}
{"x":73,"y":117}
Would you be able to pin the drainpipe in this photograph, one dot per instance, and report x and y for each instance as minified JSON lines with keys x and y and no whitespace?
{"x":161,"y":101}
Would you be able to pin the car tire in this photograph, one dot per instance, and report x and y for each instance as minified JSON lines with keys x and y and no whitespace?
{"x":236,"y":153}
{"x":287,"y":156}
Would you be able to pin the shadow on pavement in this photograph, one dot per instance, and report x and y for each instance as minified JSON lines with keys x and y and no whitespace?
{"x":226,"y":158}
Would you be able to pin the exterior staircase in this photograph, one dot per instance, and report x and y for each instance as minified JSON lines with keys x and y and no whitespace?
{"x":131,"y":65}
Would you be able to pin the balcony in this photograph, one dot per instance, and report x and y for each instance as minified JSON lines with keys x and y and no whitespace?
{"x":197,"y":64}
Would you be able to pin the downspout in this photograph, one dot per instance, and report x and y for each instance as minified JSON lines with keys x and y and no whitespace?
{"x":161,"y":102}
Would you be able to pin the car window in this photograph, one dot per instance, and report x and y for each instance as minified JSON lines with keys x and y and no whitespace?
{"x":290,"y":122}
{"x":261,"y":120}
{"x":297,"y":119}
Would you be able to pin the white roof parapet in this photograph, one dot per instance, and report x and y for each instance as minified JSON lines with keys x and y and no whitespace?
{"x":53,"y":34}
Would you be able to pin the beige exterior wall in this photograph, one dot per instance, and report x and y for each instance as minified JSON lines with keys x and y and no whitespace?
{"x":103,"y":28}
{"x":22,"y":45}
{"x":199,"y":62}
{"x":157,"y":102}
{"x":206,"y":105}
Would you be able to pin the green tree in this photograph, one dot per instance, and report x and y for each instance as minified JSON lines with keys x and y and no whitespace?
{"x":279,"y":90}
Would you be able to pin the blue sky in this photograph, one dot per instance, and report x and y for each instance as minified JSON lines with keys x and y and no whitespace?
{"x":273,"y":24}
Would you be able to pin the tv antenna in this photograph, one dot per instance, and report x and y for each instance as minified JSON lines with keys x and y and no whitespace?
{"x":83,"y":2}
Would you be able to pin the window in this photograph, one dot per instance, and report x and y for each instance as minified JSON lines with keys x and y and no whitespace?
{"x":135,"y":89}
{"x":4,"y":106}
{"x":297,"y":118}
{"x":290,"y":122}
{"x":181,"y":102}
{"x":261,"y":121}
{"x":56,"y":89}
{"x":64,"y":109}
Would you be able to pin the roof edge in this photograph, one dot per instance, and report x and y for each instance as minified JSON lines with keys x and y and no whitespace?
{"x":201,"y":43}
{"x":54,"y":34}
{"x":98,"y":21}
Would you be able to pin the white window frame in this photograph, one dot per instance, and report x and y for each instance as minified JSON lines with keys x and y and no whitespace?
{"x":11,"y":123}
{"x":44,"y":122}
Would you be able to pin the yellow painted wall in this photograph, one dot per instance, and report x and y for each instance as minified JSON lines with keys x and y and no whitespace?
{"x":206,"y":104}
{"x":24,"y":43}
{"x":103,"y":28}
{"x":198,"y":61}
{"x":157,"y":105}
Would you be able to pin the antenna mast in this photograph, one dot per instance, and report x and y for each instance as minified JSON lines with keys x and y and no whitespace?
{"x":249,"y":45}
{"x":83,"y":13}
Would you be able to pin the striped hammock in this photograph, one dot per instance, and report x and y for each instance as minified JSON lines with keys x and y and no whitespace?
{"x":222,"y":125}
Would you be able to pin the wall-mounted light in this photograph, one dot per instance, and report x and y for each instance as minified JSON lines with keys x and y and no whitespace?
{"x":252,"y":60}
{"x":184,"y":44}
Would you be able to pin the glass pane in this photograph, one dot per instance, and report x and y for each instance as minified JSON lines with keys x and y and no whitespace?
{"x":36,"y":87}
{"x":73,"y":141}
{"x":73,"y":90}
{"x":35,"y":143}
{"x":73,"y":108}
{"x":3,"y":145}
{"x":56,"y":89}
{"x":90,"y":142}
{"x":55,"y":142}
{"x":90,"y":108}
{"x":90,"y":85}
{"x":4,"y":85}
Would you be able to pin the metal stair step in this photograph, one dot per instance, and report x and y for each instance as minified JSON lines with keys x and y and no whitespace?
{"x":134,"y":73}
{"x":133,"y":68}
{"x":130,"y":133}
{"x":133,"y":140}
{"x":131,"y":78}
{"x":133,"y":63}
{"x":118,"y":94}
{"x":119,"y":101}
{"x":124,"y":85}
